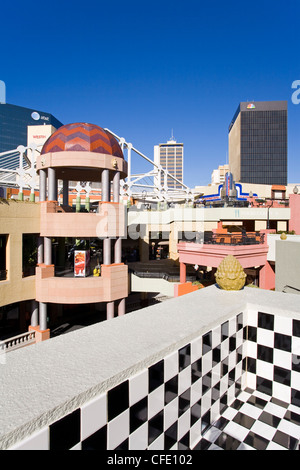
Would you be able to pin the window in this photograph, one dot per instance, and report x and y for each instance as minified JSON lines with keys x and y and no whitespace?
{"x":29,"y":253}
{"x":3,"y":261}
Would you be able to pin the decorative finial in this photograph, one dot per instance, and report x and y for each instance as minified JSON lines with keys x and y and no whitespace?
{"x":230,"y":274}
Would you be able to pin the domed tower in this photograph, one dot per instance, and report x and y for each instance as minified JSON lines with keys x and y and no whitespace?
{"x":81,"y":152}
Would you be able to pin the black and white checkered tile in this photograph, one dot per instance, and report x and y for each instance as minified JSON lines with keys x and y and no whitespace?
{"x":183,"y":401}
{"x":254,"y":421}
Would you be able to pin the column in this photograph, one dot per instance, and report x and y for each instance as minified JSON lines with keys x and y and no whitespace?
{"x":34,"y":313}
{"x":182,"y":272}
{"x":121,"y":307}
{"x":42,"y":190}
{"x":43,"y":316}
{"x":40,"y":250}
{"x":47,"y":251}
{"x":110,"y":310}
{"x":52,"y":187}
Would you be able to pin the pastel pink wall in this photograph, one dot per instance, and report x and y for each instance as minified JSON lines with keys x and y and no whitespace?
{"x":294,"y":223}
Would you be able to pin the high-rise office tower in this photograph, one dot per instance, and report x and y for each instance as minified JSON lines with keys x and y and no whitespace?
{"x":170,"y":157}
{"x":257,"y":141}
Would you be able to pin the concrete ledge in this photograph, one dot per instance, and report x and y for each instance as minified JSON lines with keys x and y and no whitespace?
{"x":41,"y":383}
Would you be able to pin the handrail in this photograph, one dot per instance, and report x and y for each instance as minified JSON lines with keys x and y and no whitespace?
{"x":19,"y":341}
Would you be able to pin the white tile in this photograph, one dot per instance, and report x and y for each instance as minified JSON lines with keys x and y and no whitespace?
{"x":282,"y":358}
{"x":244,"y":396}
{"x":224,"y":348}
{"x":206,"y":402}
{"x":236,"y":431}
{"x":212,"y":434}
{"x":216,"y":336}
{"x":295,"y":380}
{"x":170,"y":413}
{"x":184,"y":380}
{"x":215,"y":411}
{"x":296,"y":345}
{"x":77,"y":446}
{"x":138,"y":440}
{"x":250,"y":410}
{"x":251,"y":380}
{"x":289,"y":428}
{"x":171,"y":366}
{"x":138,"y":387}
{"x":264,"y":369}
{"x":244,"y":446}
{"x":281,"y":392}
{"x":196,"y":391}
{"x":229,"y":413}
{"x":158,"y":444}
{"x":37,"y":441}
{"x":251,"y":317}
{"x":274,"y":409}
{"x":118,"y":430}
{"x":184,"y":424}
{"x":265,"y":337}
{"x":283,"y":325}
{"x":93,"y":416}
{"x":156,"y":401}
{"x":206,"y":362}
{"x":195,"y":433}
{"x":261,"y":395}
{"x":251,"y":349}
{"x":274,"y":446}
{"x":216,"y":374}
{"x":263,"y":430}
{"x":196,"y":349}
{"x":232,"y":326}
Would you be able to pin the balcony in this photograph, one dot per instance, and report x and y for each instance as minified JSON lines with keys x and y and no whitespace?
{"x":209,"y":370}
{"x":61,"y":221}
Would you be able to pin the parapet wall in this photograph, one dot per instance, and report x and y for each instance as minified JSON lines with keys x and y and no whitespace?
{"x":152,"y":379}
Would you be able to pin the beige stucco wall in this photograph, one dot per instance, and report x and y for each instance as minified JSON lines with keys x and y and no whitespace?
{"x":16,"y":218}
{"x":234,"y":150}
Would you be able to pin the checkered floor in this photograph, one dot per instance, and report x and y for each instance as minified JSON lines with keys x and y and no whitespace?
{"x":254,"y":421}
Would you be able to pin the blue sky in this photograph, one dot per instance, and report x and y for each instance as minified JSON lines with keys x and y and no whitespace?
{"x":143,"y":68}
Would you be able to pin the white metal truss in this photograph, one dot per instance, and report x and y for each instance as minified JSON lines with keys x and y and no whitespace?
{"x":18,"y":169}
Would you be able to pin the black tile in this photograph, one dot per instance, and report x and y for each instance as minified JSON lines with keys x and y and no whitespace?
{"x":203,"y":444}
{"x":256,"y":401}
{"x":264,"y":385}
{"x":216,"y":355}
{"x":292,"y":417}
{"x":237,"y":404}
{"x":156,"y":375}
{"x":224,"y":367}
{"x":239,"y":354}
{"x":269,"y":419}
{"x":123,"y":446}
{"x":296,"y":362}
{"x":239,"y":321}
{"x":295,"y":397}
{"x":195,"y":412}
{"x":184,"y":442}
{"x":224,"y":330}
{"x":196,"y":370}
{"x":250,"y":365}
{"x":282,"y":376}
{"x":244,"y":420}
{"x":266,"y":320}
{"x":184,"y":357}
{"x":170,"y":436}
{"x":223,"y":402}
{"x":227,"y":442}
{"x":97,"y":441}
{"x":155,"y":426}
{"x":205,"y":422}
{"x":138,"y":414}
{"x":221,"y":423}
{"x":206,"y":342}
{"x":296,"y":328}
{"x":215,"y":393}
{"x":285,"y":440}
{"x":283,"y":342}
{"x":278,"y":402}
{"x":206,"y":383}
{"x":264,"y":353}
{"x":65,"y":433}
{"x":184,"y":402}
{"x":231,"y":377}
{"x":256,"y":441}
{"x":252,"y":333}
{"x":118,"y":400}
{"x":171,"y":389}
{"x":232,"y":343}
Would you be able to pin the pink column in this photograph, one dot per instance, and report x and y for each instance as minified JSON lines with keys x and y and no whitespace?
{"x":182,"y":272}
{"x":267,"y":277}
{"x":294,"y":223}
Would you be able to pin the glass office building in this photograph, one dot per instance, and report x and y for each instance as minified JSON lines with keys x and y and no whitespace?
{"x":258,"y":143}
{"x":14,"y":121}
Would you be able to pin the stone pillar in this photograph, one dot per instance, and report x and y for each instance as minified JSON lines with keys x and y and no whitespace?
{"x":52,"y":186}
{"x":121,"y":307}
{"x":40,"y":250}
{"x":43,"y":316}
{"x":47,"y":251}
{"x":34,"y":313}
{"x":42,"y":190}
{"x":110,"y":310}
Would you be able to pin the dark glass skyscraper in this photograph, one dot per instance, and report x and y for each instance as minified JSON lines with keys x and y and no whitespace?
{"x":14,"y":121}
{"x":258,"y":143}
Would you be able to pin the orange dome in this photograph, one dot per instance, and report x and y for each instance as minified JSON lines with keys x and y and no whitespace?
{"x":82,"y":136}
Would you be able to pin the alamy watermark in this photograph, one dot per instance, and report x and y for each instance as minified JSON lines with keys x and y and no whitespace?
{"x":296,"y":95}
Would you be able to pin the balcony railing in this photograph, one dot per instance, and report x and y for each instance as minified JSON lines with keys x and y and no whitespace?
{"x":16,"y":342}
{"x":235,"y":238}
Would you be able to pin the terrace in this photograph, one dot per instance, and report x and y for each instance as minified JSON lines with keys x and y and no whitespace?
{"x":211,"y":369}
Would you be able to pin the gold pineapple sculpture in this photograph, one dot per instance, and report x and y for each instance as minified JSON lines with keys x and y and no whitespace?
{"x":230,"y":274}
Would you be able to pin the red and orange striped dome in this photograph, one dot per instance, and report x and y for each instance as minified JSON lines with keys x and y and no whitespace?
{"x":83,"y":137}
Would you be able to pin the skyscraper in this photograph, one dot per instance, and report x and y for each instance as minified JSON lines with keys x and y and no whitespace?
{"x":257,"y":140}
{"x":170,"y":157}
